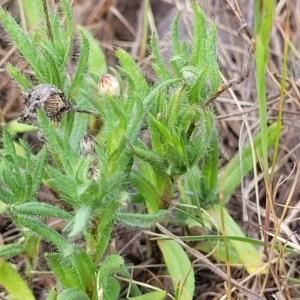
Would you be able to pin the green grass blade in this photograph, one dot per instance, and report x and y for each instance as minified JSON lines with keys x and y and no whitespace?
{"x":231,"y":176}
{"x":263,"y":23}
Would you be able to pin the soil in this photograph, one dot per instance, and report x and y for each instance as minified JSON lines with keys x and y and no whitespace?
{"x":118,"y":23}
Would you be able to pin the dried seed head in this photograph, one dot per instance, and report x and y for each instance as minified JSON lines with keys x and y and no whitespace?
{"x":87,"y":148}
{"x":87,"y":145}
{"x":47,"y":97}
{"x":94,"y":170}
{"x":109,"y":86}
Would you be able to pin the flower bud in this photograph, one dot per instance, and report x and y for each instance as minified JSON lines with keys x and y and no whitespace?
{"x":109,"y":86}
{"x":87,"y":145}
{"x":87,"y":149}
{"x":189,"y":77}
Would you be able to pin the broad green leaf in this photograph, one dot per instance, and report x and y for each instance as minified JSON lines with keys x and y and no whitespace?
{"x":73,"y":267}
{"x":147,"y":190}
{"x":249,"y":256}
{"x":13,"y":283}
{"x":112,"y":289}
{"x":158,"y":295}
{"x":82,"y":263}
{"x":179,"y":267}
{"x":63,"y":270}
{"x":219,"y":252}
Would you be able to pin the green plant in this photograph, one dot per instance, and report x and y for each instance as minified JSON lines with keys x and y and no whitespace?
{"x":91,"y":175}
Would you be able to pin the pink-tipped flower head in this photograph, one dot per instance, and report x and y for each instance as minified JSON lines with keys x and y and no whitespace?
{"x":109,"y":86}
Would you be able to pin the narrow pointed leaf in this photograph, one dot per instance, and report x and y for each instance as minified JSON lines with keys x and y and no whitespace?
{"x":211,"y":163}
{"x":11,"y":250}
{"x":13,"y":282}
{"x":199,"y":37}
{"x":158,"y":65}
{"x":42,"y":209}
{"x":128,"y":64}
{"x":40,"y":228}
{"x":22,"y":81}
{"x":111,"y":264}
{"x":23,"y":43}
